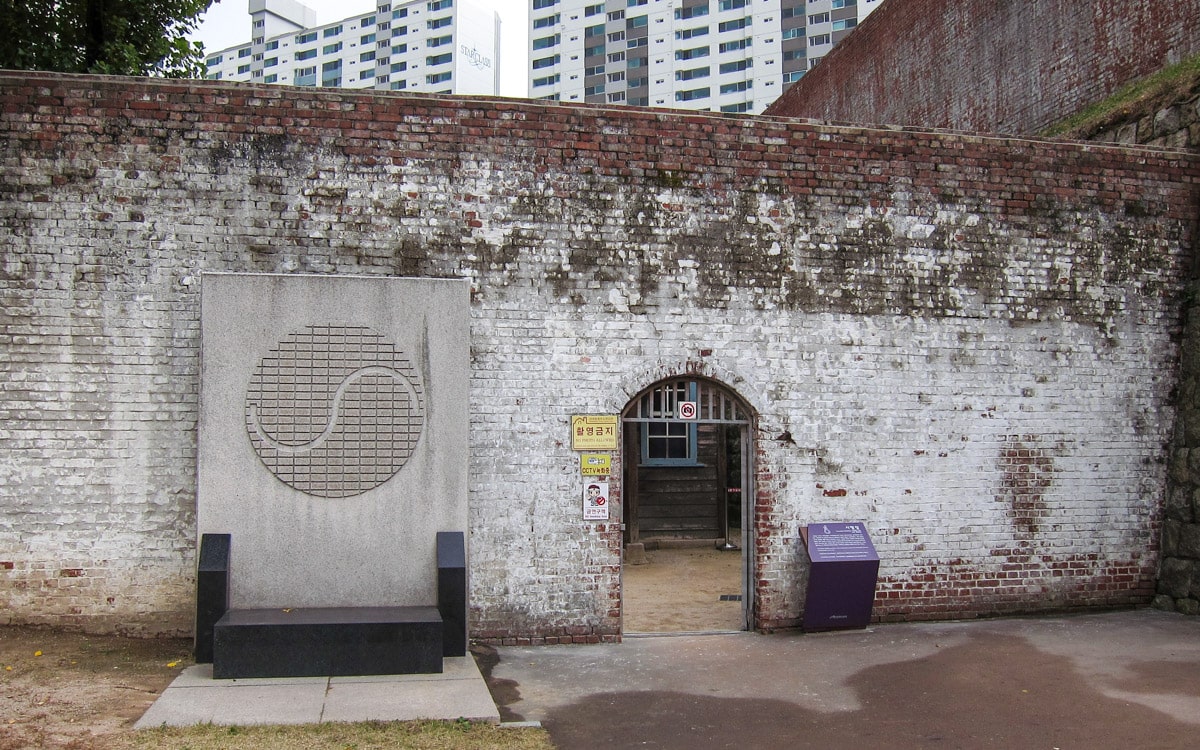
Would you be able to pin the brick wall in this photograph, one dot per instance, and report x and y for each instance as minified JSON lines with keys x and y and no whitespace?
{"x":991,"y":65}
{"x":1177,"y":125}
{"x":966,"y":342}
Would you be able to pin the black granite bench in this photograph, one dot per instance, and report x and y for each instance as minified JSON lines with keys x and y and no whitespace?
{"x":328,"y":641}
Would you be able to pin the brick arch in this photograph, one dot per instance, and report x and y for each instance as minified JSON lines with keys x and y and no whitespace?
{"x":759,"y":491}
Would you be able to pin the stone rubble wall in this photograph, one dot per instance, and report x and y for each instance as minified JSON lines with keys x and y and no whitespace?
{"x":969,"y":343}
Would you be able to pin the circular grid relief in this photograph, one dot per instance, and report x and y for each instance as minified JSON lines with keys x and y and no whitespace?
{"x":334,"y":411}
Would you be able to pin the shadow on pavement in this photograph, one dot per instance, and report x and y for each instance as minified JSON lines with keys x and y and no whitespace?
{"x":994,"y":692}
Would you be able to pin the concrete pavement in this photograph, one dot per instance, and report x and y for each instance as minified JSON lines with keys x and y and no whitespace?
{"x":196,"y":698}
{"x":1114,"y":680}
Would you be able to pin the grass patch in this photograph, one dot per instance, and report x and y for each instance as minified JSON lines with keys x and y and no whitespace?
{"x":1135,"y":100}
{"x":415,"y":735}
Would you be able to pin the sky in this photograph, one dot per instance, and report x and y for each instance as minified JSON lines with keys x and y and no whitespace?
{"x":227,"y":23}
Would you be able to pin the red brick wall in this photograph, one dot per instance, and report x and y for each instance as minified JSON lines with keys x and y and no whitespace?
{"x":995,"y":66}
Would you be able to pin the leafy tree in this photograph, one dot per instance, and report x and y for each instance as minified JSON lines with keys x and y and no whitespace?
{"x":120,"y":37}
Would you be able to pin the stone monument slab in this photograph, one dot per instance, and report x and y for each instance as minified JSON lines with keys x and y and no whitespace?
{"x":333,"y":434}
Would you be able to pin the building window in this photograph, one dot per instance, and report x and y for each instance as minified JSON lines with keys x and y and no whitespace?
{"x":366,"y":22}
{"x":244,"y":52}
{"x":616,"y":96}
{"x":732,"y":88}
{"x":242,"y":69}
{"x":691,"y":33}
{"x":682,"y":14}
{"x":438,"y":23}
{"x":546,"y":41}
{"x":735,"y":66}
{"x":844,"y":4}
{"x":306,"y":54}
{"x":591,"y":31}
{"x":437,"y":5}
{"x":330,"y":49}
{"x":590,"y":10}
{"x":816,"y":18}
{"x":539,"y":4}
{"x":691,"y":54}
{"x":545,"y":62}
{"x":819,"y":39}
{"x":439,"y":41}
{"x":547,"y":81}
{"x":669,"y":443}
{"x":593,"y":51}
{"x":739,"y":23}
{"x":399,"y":67}
{"x":366,"y":56}
{"x":399,"y":13}
{"x":270,"y":78}
{"x":306,"y":38}
{"x":273,"y":45}
{"x":687,"y":75}
{"x":541,"y":23}
{"x":692,"y":94}
{"x":305,"y":76}
{"x":732,"y":4}
{"x":437,"y":77}
{"x":849,"y":23}
{"x":332,"y":31}
{"x":271,"y":62}
{"x":636,"y":23}
{"x":733,"y":46}
{"x":792,"y":77}
{"x":736,"y":108}
{"x":439,"y":59}
{"x":595,"y":70}
{"x":367,"y":39}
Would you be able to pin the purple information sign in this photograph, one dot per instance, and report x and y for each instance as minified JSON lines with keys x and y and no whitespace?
{"x":833,"y":542}
{"x":841,"y":578}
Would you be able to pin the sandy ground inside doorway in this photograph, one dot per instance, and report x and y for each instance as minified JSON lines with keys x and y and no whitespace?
{"x":680,"y":590}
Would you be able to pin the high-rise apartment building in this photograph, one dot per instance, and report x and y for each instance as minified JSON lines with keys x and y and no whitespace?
{"x":726,"y":55}
{"x":439,"y":46}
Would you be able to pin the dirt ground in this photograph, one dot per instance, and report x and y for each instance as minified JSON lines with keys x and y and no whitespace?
{"x":680,"y":590}
{"x":79,"y":692}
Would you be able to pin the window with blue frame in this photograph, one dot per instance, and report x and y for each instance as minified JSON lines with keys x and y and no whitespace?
{"x":669,"y":443}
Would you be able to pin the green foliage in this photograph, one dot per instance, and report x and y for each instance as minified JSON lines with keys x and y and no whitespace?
{"x":119,"y":37}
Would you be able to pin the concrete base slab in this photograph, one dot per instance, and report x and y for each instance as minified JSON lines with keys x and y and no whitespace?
{"x":196,"y":698}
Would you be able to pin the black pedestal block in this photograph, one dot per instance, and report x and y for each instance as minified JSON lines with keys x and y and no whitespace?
{"x":319,"y":642}
{"x":452,"y":590}
{"x":212,"y":591}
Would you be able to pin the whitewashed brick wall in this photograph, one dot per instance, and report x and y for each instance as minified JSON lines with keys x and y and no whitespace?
{"x":965,"y":342}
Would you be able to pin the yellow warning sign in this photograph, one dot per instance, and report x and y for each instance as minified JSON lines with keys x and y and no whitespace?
{"x":595,"y":464}
{"x":594,"y":432}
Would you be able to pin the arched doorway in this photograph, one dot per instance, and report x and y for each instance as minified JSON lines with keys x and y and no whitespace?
{"x":687,"y":476}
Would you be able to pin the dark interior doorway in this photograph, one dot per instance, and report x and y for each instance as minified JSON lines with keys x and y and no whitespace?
{"x":686,"y":458}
